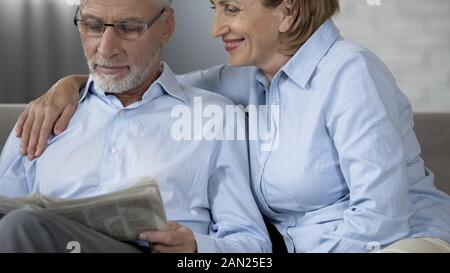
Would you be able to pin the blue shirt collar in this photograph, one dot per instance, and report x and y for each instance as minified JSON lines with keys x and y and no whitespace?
{"x":166,"y":81}
{"x":302,"y":65}
{"x":170,"y":84}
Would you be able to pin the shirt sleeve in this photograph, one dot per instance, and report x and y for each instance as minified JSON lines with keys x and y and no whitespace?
{"x":236,"y":222}
{"x":234,"y":83}
{"x":15,"y":171}
{"x":364,"y":122}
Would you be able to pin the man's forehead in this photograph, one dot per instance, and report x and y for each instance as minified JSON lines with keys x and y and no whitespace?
{"x":119,"y":3}
{"x":119,"y":8}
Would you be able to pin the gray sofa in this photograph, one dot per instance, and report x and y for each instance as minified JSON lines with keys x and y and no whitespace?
{"x":433,"y":131}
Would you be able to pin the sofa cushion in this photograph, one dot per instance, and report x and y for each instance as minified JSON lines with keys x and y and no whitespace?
{"x":8,"y":117}
{"x":433,"y":132}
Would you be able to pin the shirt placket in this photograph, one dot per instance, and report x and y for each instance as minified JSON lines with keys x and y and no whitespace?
{"x":114,"y":150}
{"x":272,"y":104}
{"x":274,"y":108}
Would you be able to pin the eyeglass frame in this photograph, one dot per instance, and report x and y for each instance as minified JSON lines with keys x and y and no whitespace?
{"x":146,"y":26}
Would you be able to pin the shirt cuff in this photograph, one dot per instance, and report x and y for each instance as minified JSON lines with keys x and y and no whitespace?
{"x":205,"y":244}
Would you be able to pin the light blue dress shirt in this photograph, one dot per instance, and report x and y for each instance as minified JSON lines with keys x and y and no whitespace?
{"x":204,"y":185}
{"x":347,"y":174}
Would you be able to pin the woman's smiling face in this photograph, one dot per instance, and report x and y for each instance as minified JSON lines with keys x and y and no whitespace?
{"x":249,"y":30}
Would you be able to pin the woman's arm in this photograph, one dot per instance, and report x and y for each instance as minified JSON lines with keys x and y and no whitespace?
{"x":366,"y":121}
{"x":51,"y":112}
{"x":234,"y":83}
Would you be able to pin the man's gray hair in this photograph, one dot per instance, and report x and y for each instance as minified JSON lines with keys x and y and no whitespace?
{"x":166,"y":3}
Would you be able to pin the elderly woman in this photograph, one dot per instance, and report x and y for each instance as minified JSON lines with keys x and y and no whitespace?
{"x":346,"y":173}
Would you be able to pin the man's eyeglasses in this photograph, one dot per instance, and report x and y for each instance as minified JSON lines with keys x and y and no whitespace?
{"x":126,"y":31}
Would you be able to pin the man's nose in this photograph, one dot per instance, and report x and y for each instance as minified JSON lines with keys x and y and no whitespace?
{"x":109,"y":43}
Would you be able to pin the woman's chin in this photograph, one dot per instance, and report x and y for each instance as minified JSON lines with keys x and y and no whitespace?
{"x":238,"y":62}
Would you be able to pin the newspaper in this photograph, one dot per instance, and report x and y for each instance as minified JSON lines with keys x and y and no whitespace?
{"x":123,"y":214}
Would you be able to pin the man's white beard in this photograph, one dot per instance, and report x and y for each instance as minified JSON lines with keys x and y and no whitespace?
{"x":135,"y":77}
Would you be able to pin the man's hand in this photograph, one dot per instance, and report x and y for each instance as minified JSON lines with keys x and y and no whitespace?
{"x":49,"y":113}
{"x":177,"y":239}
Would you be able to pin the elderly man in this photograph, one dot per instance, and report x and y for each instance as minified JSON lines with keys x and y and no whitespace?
{"x":123,"y":129}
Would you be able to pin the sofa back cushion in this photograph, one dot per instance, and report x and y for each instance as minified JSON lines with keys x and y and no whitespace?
{"x":433,"y":132}
{"x":8,"y":117}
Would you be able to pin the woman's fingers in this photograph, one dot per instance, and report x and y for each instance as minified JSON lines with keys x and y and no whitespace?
{"x":64,"y":119}
{"x":26,"y":130}
{"x":34,"y":134}
{"x":20,"y":123}
{"x":50,"y":113}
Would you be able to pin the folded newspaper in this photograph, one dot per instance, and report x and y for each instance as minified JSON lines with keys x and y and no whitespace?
{"x":123,"y":214}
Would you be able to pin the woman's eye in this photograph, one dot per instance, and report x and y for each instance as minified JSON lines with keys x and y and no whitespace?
{"x":229,"y":10}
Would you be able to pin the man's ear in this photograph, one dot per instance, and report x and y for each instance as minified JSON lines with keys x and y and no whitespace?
{"x":169,"y":25}
{"x":289,"y":11}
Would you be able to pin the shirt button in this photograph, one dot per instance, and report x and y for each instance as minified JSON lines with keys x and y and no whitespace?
{"x":122,"y":113}
{"x":115,"y":151}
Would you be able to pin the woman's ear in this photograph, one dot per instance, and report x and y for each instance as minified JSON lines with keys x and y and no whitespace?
{"x":289,"y":13}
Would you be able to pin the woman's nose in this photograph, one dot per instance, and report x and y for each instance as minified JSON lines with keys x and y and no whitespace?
{"x":219,"y":27}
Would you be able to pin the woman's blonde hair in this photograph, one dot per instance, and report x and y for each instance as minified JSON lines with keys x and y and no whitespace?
{"x":310,"y":15}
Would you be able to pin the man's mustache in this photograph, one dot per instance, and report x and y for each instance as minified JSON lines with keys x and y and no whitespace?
{"x":107,"y":62}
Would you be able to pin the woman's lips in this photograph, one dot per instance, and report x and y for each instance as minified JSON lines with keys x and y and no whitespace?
{"x":111,"y":70}
{"x":232,"y":44}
